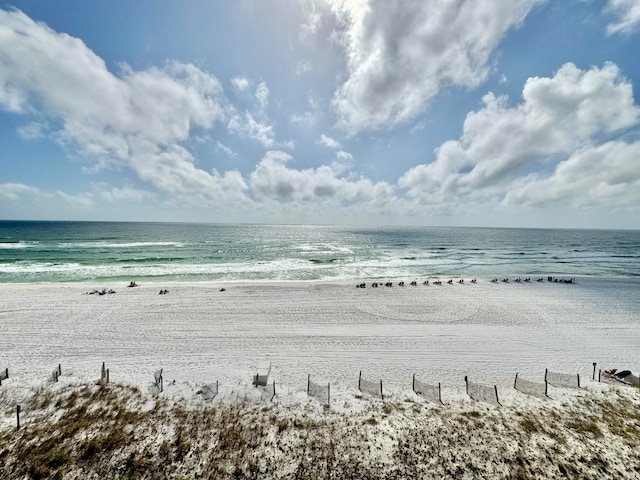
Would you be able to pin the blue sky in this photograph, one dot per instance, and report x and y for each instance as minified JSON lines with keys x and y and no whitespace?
{"x":516,"y":113}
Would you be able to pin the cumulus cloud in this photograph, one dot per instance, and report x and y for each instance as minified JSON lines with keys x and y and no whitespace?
{"x":627,"y":13}
{"x":573,"y":111}
{"x":137,"y":119}
{"x":400,"y":55}
{"x":605,"y":175}
{"x":274,"y":180}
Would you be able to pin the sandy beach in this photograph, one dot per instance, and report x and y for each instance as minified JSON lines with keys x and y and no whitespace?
{"x":199,"y":334}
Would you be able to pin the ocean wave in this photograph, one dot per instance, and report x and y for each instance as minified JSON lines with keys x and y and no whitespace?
{"x":119,"y":244}
{"x":280,"y":269}
{"x":18,"y":245}
{"x":255,"y":253}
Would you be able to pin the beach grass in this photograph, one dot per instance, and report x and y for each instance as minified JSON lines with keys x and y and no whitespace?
{"x":116,"y":431}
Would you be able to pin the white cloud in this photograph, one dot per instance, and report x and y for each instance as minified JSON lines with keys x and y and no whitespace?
{"x":227,"y":150}
{"x":418,"y":127}
{"x":13,"y":191}
{"x":126,"y":194}
{"x":274,"y":180}
{"x":344,"y":156}
{"x":309,"y":29}
{"x":244,"y":125}
{"x":628,"y":16}
{"x":262,"y":95}
{"x":401,"y":54}
{"x":34,"y":130}
{"x":28,"y":195}
{"x":137,"y":120}
{"x":309,"y":118}
{"x":303,"y":67}
{"x":572,"y":111}
{"x":328,"y":142}
{"x":607,"y":175}
{"x":241,"y":84}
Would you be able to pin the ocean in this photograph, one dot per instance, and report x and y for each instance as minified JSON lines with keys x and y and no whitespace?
{"x":33,"y":251}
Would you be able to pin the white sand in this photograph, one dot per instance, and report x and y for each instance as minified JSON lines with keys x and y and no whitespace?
{"x":199,"y":334}
{"x":332,"y":331}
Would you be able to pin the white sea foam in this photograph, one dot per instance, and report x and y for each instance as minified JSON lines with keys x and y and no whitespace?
{"x":258,"y":253}
{"x":18,"y":245}
{"x":119,"y":244}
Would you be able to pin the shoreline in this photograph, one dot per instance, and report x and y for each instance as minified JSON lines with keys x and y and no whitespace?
{"x":585,"y":279}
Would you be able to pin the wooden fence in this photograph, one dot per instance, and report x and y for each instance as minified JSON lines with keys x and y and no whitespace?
{"x":322,"y":393}
{"x":428,"y":392}
{"x":482,"y":393}
{"x":372,"y":388}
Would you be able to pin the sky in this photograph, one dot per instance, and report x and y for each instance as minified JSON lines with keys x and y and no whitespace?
{"x":497,"y":113}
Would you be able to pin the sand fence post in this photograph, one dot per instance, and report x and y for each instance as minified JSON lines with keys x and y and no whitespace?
{"x":329,"y":393}
{"x":56,"y":373}
{"x":359,"y":380}
{"x":497,"y":399}
{"x":381,"y":394}
{"x":594,"y":370}
{"x":158,"y":380}
{"x":515,"y":382}
{"x":466,"y":382}
{"x":599,"y":374}
{"x":308,"y":383}
{"x":18,"y":417}
{"x":104,"y":374}
{"x":546,"y":389}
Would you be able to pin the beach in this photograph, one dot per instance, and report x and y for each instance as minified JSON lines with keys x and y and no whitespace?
{"x":201,"y":333}
{"x":197,"y":333}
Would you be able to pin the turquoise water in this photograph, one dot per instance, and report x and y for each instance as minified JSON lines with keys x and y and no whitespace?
{"x":79,"y":251}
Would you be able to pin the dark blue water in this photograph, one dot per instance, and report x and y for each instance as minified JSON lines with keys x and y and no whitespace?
{"x":78,"y":251}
